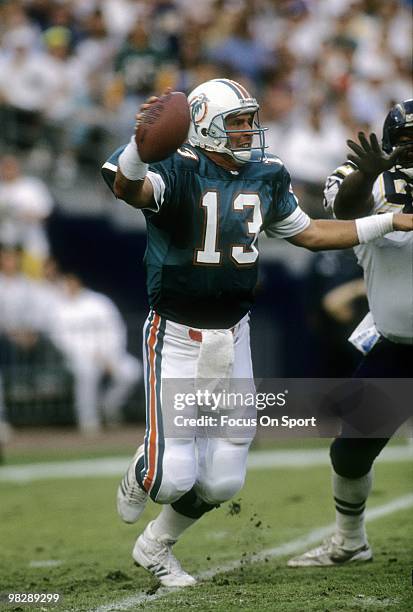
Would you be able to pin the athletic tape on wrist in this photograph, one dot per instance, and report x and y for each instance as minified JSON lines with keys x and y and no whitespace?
{"x":130,"y":163}
{"x":370,"y":228}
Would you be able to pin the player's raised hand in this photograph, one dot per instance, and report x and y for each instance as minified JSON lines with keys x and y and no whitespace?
{"x":144,"y":107}
{"x":147,"y":104}
{"x":162,"y":125}
{"x":369,"y":157}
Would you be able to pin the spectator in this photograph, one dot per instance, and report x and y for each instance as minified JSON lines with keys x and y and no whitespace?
{"x":240,"y":52}
{"x":49,"y":292}
{"x":69,"y":83}
{"x":120,"y":15}
{"x":14,"y":21}
{"x":302,"y":30}
{"x":87,"y":328}
{"x":31,"y":368}
{"x":96,"y":50}
{"x":19,"y":323}
{"x":25,"y":204}
{"x":24,"y":89}
{"x":314,"y":145}
{"x":137,"y":62}
{"x":352,"y":49}
{"x":277,"y":112}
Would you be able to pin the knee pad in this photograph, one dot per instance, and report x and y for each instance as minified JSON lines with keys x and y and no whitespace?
{"x":354,"y":457}
{"x":173,"y":487}
{"x":178,"y":474}
{"x":221,"y":490}
{"x":222,"y":469}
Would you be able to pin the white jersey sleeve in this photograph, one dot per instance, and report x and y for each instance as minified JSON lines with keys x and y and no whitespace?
{"x":333,"y":182}
{"x":292,"y":225}
{"x":158,"y":185}
{"x":390,"y":190}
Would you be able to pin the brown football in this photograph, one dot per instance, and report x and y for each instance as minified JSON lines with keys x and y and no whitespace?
{"x":163,"y":128}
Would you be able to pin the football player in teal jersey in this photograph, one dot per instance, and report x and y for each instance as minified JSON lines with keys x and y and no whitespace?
{"x":205,"y":206}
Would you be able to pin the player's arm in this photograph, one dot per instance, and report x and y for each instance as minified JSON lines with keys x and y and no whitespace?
{"x":338,"y":302}
{"x":322,"y":234}
{"x":326,"y":234}
{"x":131,"y":183}
{"x":137,"y":193}
{"x":354,"y":198}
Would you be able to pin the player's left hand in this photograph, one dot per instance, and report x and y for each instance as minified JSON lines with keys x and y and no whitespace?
{"x":369,"y":157}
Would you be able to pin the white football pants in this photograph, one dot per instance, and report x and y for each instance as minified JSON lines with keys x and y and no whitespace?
{"x":173,"y":466}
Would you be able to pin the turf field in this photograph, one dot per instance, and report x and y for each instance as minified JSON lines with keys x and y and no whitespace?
{"x":61,"y":534}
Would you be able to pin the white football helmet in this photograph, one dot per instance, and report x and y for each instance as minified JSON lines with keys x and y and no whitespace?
{"x":210,"y":103}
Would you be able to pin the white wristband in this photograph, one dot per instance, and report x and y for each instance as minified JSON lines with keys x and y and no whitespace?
{"x":130,"y":163}
{"x":370,"y":228}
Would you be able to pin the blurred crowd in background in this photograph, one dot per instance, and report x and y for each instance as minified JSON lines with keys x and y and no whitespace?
{"x":74,"y":72}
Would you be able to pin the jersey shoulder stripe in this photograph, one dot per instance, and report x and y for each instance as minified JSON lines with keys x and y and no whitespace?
{"x":273,"y":159}
{"x":392,"y":193}
{"x":344,"y":170}
{"x":188,"y":152}
{"x":333,"y":182}
{"x":110,"y":167}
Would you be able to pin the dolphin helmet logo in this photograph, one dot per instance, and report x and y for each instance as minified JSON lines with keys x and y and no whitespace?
{"x":199,"y":108}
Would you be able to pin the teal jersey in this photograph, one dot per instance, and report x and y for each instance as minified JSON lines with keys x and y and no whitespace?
{"x":202,"y":241}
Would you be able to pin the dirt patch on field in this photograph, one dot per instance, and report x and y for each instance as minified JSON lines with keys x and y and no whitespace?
{"x":45,"y":439}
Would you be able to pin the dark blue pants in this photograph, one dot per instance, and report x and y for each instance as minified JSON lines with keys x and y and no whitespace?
{"x":354,"y":457}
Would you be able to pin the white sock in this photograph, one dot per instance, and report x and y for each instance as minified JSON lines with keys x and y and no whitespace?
{"x":350,"y":496}
{"x":169,"y":525}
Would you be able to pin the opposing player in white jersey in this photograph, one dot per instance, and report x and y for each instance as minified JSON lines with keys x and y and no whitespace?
{"x":205,"y":206}
{"x":374,"y":180}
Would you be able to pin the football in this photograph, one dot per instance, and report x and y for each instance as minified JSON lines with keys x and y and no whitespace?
{"x":163,"y":128}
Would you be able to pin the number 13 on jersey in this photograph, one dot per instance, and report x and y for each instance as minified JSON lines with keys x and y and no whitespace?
{"x":242,"y":254}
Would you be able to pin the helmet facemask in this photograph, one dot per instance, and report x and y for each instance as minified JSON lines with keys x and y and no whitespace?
{"x":219,"y":131}
{"x":398,"y":122}
{"x":405,"y":160}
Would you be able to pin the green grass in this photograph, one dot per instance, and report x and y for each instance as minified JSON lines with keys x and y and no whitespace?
{"x":95,"y":449}
{"x":39,"y":455}
{"x":74,"y":521}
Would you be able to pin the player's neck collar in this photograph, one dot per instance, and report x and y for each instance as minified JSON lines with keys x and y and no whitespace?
{"x":223,"y":161}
